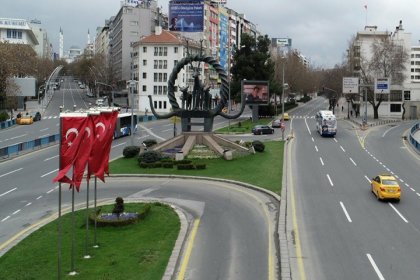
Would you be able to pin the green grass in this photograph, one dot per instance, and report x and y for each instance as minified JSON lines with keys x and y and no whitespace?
{"x":244,"y":127}
{"x":139,"y":251}
{"x":264,"y":170}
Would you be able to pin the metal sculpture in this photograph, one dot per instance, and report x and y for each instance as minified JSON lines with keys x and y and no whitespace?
{"x":197,"y":104}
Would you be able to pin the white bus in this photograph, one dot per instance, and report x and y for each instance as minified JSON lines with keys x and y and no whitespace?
{"x":123,"y":125}
{"x":326,"y":123}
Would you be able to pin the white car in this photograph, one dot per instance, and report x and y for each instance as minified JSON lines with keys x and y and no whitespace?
{"x":100,"y":102}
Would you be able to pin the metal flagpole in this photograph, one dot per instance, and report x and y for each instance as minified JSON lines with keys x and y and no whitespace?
{"x":73,"y":237}
{"x":59,"y":241}
{"x":87,"y":256}
{"x":95,"y":244}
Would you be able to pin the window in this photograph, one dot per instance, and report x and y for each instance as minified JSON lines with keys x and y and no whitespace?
{"x":165,"y":64}
{"x":155,"y":90}
{"x":175,"y":49}
{"x":155,"y":104}
{"x":160,"y":104}
{"x":395,"y":108}
{"x":14,"y":34}
{"x":160,"y":90}
{"x":144,"y":75}
{"x":155,"y":53}
{"x":160,"y":64}
{"x":165,"y":77}
{"x":164,"y":104}
{"x":396,"y":95}
{"x":175,"y":62}
{"x":144,"y":62}
{"x":407,"y":94}
{"x":165,"y":90}
{"x":144,"y":49}
{"x":160,"y":77}
{"x":155,"y":66}
{"x":165,"y":51}
{"x":155,"y":77}
{"x":144,"y":88}
{"x":134,"y":23}
{"x":160,"y":51}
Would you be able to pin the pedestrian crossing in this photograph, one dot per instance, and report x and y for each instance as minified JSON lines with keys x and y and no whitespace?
{"x":50,"y":117}
{"x":302,"y":117}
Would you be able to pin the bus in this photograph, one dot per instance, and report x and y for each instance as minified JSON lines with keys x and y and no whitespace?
{"x":326,"y":123}
{"x":123,"y":125}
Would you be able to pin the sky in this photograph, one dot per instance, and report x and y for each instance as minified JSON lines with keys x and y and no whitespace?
{"x":320,"y":30}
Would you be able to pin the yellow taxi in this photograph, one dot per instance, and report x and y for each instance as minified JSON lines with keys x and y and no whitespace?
{"x":286,"y":116}
{"x":25,"y":120}
{"x":386,"y":187}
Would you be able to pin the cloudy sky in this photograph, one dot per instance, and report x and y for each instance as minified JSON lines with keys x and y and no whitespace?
{"x":319,"y":29}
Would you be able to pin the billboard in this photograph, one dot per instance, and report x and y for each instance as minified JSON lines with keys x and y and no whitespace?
{"x":382,"y":85}
{"x":186,"y":17}
{"x":224,"y":40}
{"x":24,"y":86}
{"x":256,"y":92}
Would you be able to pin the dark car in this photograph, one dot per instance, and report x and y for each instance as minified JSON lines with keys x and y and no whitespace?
{"x":262,"y":129}
{"x":37,"y":116}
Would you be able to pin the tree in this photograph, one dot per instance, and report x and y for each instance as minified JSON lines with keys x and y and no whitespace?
{"x":388,"y":60}
{"x":252,"y":61}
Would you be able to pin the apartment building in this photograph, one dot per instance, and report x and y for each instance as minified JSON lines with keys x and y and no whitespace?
{"x":17,"y":31}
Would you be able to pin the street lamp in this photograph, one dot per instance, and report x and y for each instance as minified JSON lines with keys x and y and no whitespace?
{"x":132,"y":84}
{"x":112,"y":91}
{"x":282,"y":93}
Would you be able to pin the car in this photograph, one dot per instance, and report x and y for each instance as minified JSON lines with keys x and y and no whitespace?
{"x":386,"y":187}
{"x":100,"y":102}
{"x":276,"y":123}
{"x":37,"y":116}
{"x":25,"y":120}
{"x":262,"y":129}
{"x":286,"y":116}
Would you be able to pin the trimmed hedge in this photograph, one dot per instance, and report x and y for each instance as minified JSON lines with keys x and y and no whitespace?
{"x":131,"y":151}
{"x":120,"y":222}
{"x":258,"y":146}
{"x":149,"y":157}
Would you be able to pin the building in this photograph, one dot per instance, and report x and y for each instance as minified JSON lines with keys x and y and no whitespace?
{"x":17,"y":31}
{"x":130,"y":24}
{"x":44,"y":47}
{"x":153,"y":59}
{"x":73,"y":53}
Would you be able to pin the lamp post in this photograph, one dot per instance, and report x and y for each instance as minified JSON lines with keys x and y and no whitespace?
{"x":112,"y":91}
{"x":282,"y":93}
{"x":132,"y":84}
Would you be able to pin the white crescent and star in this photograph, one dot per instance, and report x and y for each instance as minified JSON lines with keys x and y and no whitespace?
{"x":100,"y":124}
{"x":70,"y":131}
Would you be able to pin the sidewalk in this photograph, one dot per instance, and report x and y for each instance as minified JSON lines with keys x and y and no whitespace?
{"x":342,"y":112}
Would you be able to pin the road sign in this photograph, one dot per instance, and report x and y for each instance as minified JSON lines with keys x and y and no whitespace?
{"x":350,"y":85}
{"x":382,"y":85}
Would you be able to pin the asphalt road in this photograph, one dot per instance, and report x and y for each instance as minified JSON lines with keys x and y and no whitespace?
{"x":345,"y":233}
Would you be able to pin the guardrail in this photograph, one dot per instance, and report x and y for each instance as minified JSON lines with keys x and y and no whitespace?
{"x":16,"y":149}
{"x":8,"y":123}
{"x":413,"y":141}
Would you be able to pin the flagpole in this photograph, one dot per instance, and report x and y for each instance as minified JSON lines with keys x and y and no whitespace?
{"x":59,"y":241}
{"x":73,"y":239}
{"x":95,"y":244}
{"x":87,"y":256}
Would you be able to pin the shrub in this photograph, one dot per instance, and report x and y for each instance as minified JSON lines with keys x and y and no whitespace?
{"x":150,"y":165}
{"x":150,"y":156}
{"x":131,"y":151}
{"x":149,"y":142}
{"x":143,"y":213}
{"x":184,"y":161}
{"x":3,"y":116}
{"x":239,"y":124}
{"x":167,"y":164}
{"x":200,"y":166}
{"x":185,"y":167}
{"x":258,"y":146}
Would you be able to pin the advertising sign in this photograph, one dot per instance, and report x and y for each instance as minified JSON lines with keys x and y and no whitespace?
{"x":256,"y":92}
{"x":382,"y":85}
{"x":186,"y":17}
{"x":350,"y":85}
{"x":224,"y":42}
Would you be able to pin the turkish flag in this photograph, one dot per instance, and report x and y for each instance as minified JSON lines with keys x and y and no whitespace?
{"x":99,"y":156}
{"x":72,"y":128}
{"x":88,"y":137}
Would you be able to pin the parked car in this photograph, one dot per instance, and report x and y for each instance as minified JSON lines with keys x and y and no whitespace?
{"x":25,"y":120}
{"x":262,"y":129}
{"x":37,"y":117}
{"x":386,"y":187}
{"x":100,"y":102}
{"x":276,"y":123}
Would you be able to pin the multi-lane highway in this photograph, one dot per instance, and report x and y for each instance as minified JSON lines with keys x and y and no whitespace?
{"x":236,"y":227}
{"x":343,"y":231}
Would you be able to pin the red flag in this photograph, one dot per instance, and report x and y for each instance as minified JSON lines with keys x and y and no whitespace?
{"x":71,"y":126}
{"x":99,"y":156}
{"x":88,"y":137}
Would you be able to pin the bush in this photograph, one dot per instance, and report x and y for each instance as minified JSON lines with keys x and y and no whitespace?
{"x":150,"y":156}
{"x":200,"y":166}
{"x":118,"y":206}
{"x":184,"y":161}
{"x":185,"y":167}
{"x":258,"y":146}
{"x":149,"y":142}
{"x":3,"y":116}
{"x":131,"y":151}
{"x":150,"y":165}
{"x":167,"y":164}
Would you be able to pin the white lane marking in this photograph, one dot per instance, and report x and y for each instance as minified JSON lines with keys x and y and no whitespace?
{"x":418,"y":194}
{"x":353,"y":162}
{"x":56,"y":187}
{"x":342,"y":148}
{"x":17,"y":211}
{"x":316,"y":148}
{"x":50,"y":158}
{"x":345,"y":211}
{"x":329,"y":179}
{"x":335,"y":140}
{"x":151,"y":133}
{"x":27,"y":204}
{"x":375,"y":267}
{"x":383,"y":135}
{"x":374,"y":158}
{"x":50,"y":191}
{"x":392,"y":173}
{"x":398,"y":212}
{"x":313,"y":139}
{"x":46,"y":174}
{"x":387,"y":169}
{"x":367,"y":178}
{"x":119,"y":144}
{"x":380,"y":162}
{"x":396,"y":176}
{"x":44,"y":129}
{"x":412,"y":189}
{"x":39,"y":197}
{"x":9,"y":191}
{"x":322,"y":162}
{"x":167,"y":130}
{"x":307,"y":127}
{"x":15,"y":137}
{"x":5,"y":219}
{"x":8,"y":173}
{"x":401,"y":180}
{"x":42,"y":136}
{"x":407,"y":185}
